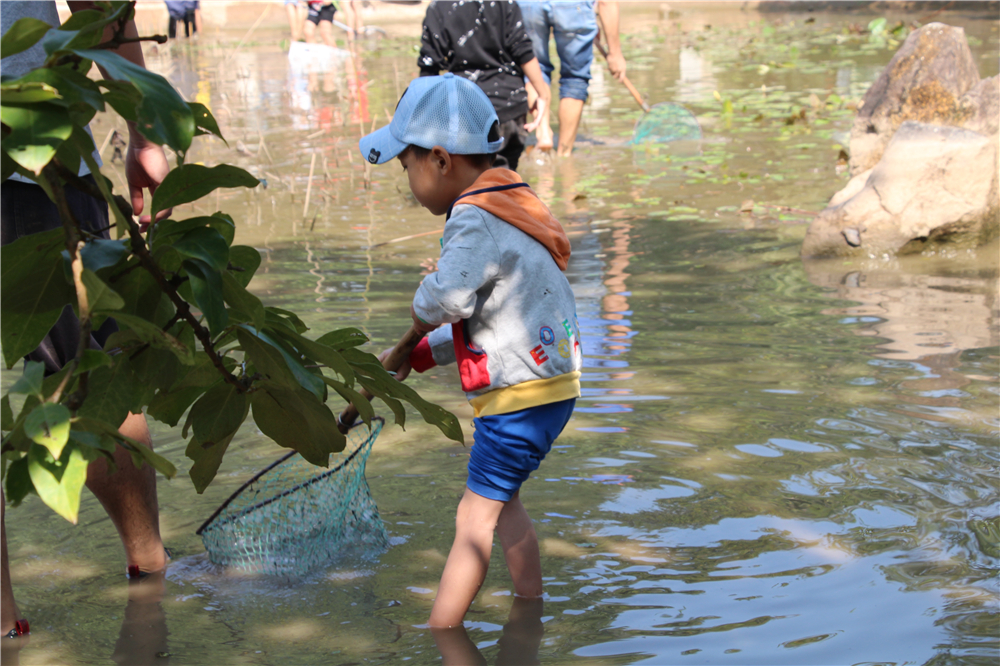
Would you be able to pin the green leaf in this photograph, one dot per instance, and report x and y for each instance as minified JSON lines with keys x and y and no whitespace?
{"x":58,"y":481}
{"x":91,"y":360}
{"x":48,"y":425}
{"x":398,"y":411}
{"x":294,"y":418}
{"x":204,"y":244}
{"x":168,"y":230}
{"x":18,"y":482}
{"x":31,"y":382}
{"x":343,"y":338}
{"x":26,"y":92}
{"x":206,"y":286}
{"x":191,"y":182}
{"x":6,"y":414}
{"x":272,"y":361}
{"x":123,"y":97}
{"x":109,"y":394}
{"x":218,"y":414}
{"x":36,"y":131}
{"x":215,"y":419}
{"x":8,"y":166}
{"x":73,"y":88}
{"x":207,"y":459}
{"x":153,"y":370}
{"x":247,"y":260}
{"x":286,"y":318}
{"x":156,"y":336}
{"x":163,"y":117}
{"x":169,"y":407}
{"x":21,"y":36}
{"x":82,"y":30}
{"x":140,"y":452}
{"x":242,"y":300}
{"x":328,"y":356}
{"x":93,"y":440}
{"x":142,"y":296}
{"x":102,"y":253}
{"x":204,"y":121}
{"x":364,"y":407}
{"x":99,"y":295}
{"x":33,"y":291}
{"x":380,"y":383}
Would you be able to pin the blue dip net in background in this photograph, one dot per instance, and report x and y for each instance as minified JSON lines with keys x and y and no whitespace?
{"x":666,"y":122}
{"x":294,"y":517}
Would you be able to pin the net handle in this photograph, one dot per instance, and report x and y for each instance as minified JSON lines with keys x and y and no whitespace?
{"x":628,"y":84}
{"x":399,"y":354}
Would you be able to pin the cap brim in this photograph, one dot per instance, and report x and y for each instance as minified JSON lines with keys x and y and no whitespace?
{"x":380,"y":146}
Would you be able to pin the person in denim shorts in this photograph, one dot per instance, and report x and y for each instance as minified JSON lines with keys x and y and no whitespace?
{"x":574,"y":25}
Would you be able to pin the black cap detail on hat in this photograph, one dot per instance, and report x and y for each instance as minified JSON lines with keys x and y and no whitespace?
{"x":374,"y":155}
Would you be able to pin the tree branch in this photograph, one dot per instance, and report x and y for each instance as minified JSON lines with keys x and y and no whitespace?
{"x":74,"y":243}
{"x":141,"y":251}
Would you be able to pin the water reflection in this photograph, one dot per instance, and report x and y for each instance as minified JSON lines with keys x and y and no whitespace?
{"x":142,"y":640}
{"x":518,"y":645}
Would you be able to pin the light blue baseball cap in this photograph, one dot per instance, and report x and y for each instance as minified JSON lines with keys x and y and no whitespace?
{"x":446,"y":111}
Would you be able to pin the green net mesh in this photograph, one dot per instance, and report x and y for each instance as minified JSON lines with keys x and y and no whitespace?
{"x":666,"y":122}
{"x":294,"y":517}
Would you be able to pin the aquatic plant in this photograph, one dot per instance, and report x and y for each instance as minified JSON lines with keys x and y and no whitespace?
{"x":192,"y":340}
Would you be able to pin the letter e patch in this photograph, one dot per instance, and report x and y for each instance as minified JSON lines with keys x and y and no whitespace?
{"x":538,"y":353}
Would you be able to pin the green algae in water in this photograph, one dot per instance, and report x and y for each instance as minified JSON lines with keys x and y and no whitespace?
{"x":664,"y":123}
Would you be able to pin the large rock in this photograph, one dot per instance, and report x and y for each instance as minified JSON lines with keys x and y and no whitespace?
{"x":979,"y":109}
{"x":933,"y":185}
{"x":924,"y":81}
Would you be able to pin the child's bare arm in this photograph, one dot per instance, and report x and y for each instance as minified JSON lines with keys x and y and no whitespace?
{"x":533,"y":71}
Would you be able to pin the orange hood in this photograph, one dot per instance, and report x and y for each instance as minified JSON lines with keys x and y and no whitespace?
{"x":501,"y":192}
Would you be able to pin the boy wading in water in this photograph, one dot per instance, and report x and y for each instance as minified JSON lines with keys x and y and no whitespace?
{"x":498,"y":305}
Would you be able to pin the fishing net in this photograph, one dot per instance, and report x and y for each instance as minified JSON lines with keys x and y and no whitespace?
{"x":664,"y":123}
{"x":294,"y":517}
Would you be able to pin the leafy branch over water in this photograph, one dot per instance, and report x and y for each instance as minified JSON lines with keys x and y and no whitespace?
{"x":192,"y":338}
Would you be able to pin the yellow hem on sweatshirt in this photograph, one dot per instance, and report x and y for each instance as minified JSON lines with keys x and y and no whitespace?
{"x":528,"y":394}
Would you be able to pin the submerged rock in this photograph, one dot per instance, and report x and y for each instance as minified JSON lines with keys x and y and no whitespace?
{"x":932,"y":186}
{"x":923,"y":156}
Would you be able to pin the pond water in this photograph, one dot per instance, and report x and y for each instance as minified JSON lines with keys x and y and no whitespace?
{"x":772,"y":462}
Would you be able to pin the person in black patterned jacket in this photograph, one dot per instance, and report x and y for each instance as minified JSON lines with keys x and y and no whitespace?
{"x":486,"y":43}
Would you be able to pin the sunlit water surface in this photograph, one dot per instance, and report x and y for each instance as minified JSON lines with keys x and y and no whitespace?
{"x":772,"y":463}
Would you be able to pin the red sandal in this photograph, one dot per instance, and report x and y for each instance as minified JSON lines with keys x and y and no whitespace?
{"x":21,"y":628}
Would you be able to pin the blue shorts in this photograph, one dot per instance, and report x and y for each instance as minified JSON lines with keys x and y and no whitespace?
{"x":574,"y":27}
{"x":509,"y":447}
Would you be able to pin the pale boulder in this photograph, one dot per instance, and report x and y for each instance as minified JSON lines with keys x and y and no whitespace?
{"x":933,"y":185}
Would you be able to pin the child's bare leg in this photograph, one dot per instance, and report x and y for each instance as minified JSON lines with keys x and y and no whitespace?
{"x":520,"y":548}
{"x":469,"y":559}
{"x":309,"y":31}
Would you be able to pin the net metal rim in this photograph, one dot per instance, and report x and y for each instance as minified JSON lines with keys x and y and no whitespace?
{"x":208,"y":524}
